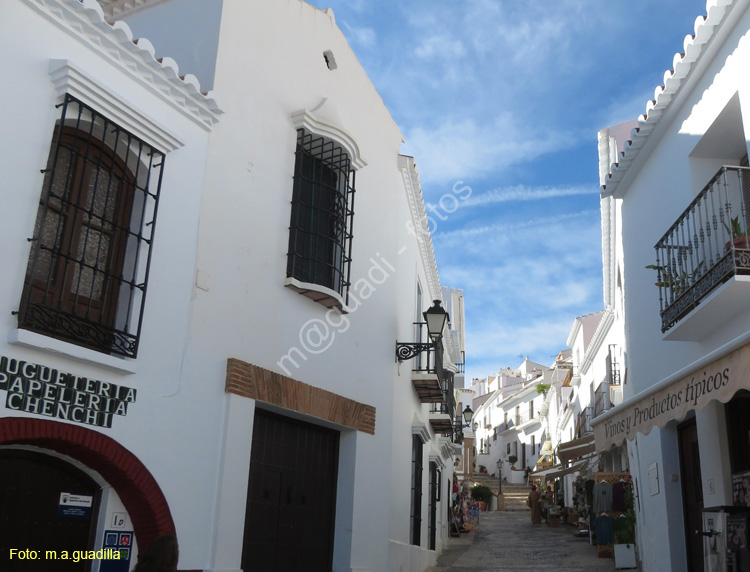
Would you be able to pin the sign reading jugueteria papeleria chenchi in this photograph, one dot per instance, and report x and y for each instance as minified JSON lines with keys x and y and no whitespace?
{"x":46,"y":391}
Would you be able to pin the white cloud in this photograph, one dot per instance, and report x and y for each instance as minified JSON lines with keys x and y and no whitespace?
{"x":522,"y":193}
{"x":365,"y":37}
{"x":524,"y":283}
{"x":551,"y":224}
{"x":450,"y":149}
{"x":440,"y":47}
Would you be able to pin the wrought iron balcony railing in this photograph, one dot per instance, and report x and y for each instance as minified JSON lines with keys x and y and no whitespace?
{"x":601,"y":399}
{"x":448,"y":405}
{"x":583,"y":426}
{"x":706,"y":246}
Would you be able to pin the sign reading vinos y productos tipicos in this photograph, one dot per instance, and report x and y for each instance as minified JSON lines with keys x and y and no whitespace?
{"x":719,"y":380}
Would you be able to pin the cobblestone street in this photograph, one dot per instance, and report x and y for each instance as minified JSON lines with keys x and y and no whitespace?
{"x":508,"y":542}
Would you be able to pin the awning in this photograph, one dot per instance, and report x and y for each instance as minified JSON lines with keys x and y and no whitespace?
{"x":689,"y":389}
{"x":576,"y":448}
{"x":558,"y":471}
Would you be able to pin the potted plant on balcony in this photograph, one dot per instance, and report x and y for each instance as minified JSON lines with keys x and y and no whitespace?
{"x":677,"y":282}
{"x":740,"y":239}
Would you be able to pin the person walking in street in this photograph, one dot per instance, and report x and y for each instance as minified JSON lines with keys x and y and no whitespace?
{"x":534,"y":503}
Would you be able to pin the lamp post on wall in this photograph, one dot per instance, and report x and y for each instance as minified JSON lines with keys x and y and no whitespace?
{"x":436,"y":318}
{"x":458,"y":429}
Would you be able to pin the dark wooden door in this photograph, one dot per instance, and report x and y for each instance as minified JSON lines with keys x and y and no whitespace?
{"x":692,"y":494}
{"x":30,"y":489}
{"x":434,"y":496}
{"x":291,"y":497}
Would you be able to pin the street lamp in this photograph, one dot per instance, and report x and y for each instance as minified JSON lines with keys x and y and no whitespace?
{"x":436,"y":318}
{"x":468,"y":415}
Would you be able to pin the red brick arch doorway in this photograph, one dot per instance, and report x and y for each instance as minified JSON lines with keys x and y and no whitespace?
{"x":137,"y":488}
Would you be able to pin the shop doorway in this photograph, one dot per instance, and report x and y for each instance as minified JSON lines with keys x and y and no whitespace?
{"x":33,"y":514}
{"x":692,"y":493}
{"x":434,"y":498}
{"x":291,"y":496}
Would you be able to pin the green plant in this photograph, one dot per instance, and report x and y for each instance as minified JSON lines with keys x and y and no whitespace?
{"x":512,"y":459}
{"x":481,"y":493}
{"x":543,"y":388}
{"x":624,"y":526}
{"x":736,"y":228}
{"x":624,"y":529}
{"x":482,"y":468}
{"x":677,"y":282}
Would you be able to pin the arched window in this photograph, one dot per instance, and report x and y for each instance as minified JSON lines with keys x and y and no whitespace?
{"x":88,"y":267}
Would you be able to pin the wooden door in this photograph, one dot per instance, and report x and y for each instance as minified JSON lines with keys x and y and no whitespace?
{"x":30,"y":512}
{"x":692,"y":494}
{"x":291,"y":498}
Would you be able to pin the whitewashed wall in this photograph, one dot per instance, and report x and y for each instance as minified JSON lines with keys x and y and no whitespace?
{"x":155,"y":427}
{"x":656,"y":191}
{"x":219,"y":264}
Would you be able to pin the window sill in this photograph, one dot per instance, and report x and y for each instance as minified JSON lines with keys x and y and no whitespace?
{"x":54,"y":346}
{"x":317,"y":293}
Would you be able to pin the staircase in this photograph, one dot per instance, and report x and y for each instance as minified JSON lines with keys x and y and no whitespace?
{"x":486,"y":480}
{"x":513,"y":495}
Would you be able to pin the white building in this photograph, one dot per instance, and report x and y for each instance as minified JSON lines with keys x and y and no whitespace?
{"x":253,"y":402}
{"x":508,"y":421}
{"x":679,"y":203}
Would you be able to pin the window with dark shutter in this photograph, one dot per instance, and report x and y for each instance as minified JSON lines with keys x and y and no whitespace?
{"x":320,"y":230}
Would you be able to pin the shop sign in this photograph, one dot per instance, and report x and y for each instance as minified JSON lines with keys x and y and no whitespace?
{"x":719,"y":380}
{"x":74,"y":506}
{"x":42,"y":390}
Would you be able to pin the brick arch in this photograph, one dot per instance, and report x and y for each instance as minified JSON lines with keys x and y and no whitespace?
{"x":137,"y":488}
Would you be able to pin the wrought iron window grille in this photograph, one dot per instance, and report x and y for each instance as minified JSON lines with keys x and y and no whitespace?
{"x":91,"y":247}
{"x":320,"y":231}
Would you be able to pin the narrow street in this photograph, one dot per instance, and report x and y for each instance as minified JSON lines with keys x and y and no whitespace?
{"x":507,"y":541}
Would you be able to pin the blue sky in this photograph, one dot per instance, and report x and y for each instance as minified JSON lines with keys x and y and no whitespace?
{"x":508,"y":96}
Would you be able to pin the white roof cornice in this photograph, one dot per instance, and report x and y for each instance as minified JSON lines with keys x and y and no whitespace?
{"x":577,"y":322}
{"x":114,"y":9}
{"x":608,"y":254}
{"x":597,"y":339}
{"x":420,"y":225}
{"x":85,"y":21}
{"x":664,"y":106}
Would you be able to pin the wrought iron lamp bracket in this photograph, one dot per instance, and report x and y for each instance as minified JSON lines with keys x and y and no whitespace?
{"x":409,"y":350}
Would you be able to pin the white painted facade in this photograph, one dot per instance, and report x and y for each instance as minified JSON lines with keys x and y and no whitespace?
{"x":218,"y":288}
{"x":509,"y":421}
{"x":696,"y":123}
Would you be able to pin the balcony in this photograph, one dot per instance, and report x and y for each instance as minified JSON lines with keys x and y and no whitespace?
{"x":706,"y":250}
{"x":428,"y":375}
{"x":442,"y":413}
{"x":602,"y":399}
{"x":583,"y":423}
